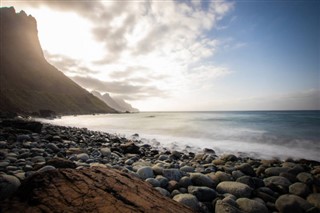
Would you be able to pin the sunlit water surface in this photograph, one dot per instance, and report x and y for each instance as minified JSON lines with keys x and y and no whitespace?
{"x":282,"y":134}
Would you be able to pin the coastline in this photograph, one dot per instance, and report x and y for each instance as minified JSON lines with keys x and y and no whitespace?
{"x":210,"y":182}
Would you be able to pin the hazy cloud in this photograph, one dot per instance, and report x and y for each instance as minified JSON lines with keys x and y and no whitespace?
{"x":123,"y":88}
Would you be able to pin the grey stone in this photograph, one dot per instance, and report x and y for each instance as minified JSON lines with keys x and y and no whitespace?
{"x":162,"y":180}
{"x":185,"y":182}
{"x":172,"y":174}
{"x":154,"y":182}
{"x":145,"y":172}
{"x":251,"y":206}
{"x":163,"y":191}
{"x":106,"y":152}
{"x":8,"y":186}
{"x":187,"y":169}
{"x":188,"y":200}
{"x":163,"y":157}
{"x":275,"y":171}
{"x":300,"y":189}
{"x":199,"y":179}
{"x":203,"y":193}
{"x":277,"y":180}
{"x":235,"y":188}
{"x":83,"y":156}
{"x":222,"y":176}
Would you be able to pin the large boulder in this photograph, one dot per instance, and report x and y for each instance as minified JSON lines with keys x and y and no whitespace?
{"x":88,"y":190}
{"x":235,"y":188}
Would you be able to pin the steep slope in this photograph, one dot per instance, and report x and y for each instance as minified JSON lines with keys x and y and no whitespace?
{"x":114,"y":102}
{"x":28,"y":83}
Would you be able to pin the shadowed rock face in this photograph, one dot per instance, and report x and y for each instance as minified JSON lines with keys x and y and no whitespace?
{"x":88,"y":190}
{"x":28,"y":83}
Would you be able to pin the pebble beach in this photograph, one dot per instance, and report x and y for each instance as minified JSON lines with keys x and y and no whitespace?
{"x":203,"y":181}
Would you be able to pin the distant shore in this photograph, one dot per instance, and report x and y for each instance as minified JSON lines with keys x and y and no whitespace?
{"x":207,"y":180}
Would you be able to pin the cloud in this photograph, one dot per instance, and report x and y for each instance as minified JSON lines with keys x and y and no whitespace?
{"x":122,"y":88}
{"x":68,"y":65}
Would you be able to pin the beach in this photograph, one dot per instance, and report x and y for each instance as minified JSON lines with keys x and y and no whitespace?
{"x":204,"y":181}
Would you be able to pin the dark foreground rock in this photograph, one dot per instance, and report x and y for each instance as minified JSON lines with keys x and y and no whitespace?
{"x":88,"y":190}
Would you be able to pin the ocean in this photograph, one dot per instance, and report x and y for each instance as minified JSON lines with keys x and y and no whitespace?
{"x":258,"y":134}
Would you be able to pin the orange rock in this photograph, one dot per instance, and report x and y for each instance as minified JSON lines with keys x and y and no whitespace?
{"x":88,"y":190}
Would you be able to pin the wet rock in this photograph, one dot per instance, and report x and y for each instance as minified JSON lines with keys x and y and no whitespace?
{"x":275,"y":171}
{"x":199,"y":179}
{"x":300,"y":189}
{"x":305,"y":177}
{"x":277,"y":183}
{"x":145,"y":172}
{"x":8,"y":186}
{"x":314,"y":199}
{"x":61,"y":163}
{"x":172,"y":174}
{"x":203,"y":193}
{"x":251,"y":206}
{"x":185,"y":182}
{"x":130,"y":147}
{"x":246,"y":169}
{"x":292,"y":203}
{"x":221,"y":176}
{"x":100,"y":190}
{"x":188,"y":200}
{"x":163,"y":181}
{"x":234,"y":188}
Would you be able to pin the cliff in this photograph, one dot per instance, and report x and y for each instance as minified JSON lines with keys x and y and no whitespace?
{"x":28,"y":83}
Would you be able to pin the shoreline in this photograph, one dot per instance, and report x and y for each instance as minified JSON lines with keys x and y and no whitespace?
{"x":28,"y":151}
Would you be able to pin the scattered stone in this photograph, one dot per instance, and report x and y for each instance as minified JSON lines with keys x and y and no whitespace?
{"x":305,"y":177}
{"x":106,"y":152}
{"x":163,"y":191}
{"x":246,"y":169}
{"x":46,"y":168}
{"x":130,"y":147}
{"x":83,"y":156}
{"x":275,"y":171}
{"x":234,"y":188}
{"x":187,"y":169}
{"x":153,"y":182}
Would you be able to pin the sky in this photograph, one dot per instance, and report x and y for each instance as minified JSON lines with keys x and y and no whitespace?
{"x":186,"y":55}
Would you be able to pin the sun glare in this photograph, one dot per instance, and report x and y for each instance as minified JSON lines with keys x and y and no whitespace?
{"x":66,"y":34}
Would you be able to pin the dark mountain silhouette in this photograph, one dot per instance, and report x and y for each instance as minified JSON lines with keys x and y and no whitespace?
{"x":28,"y":83}
{"x":116,"y":103}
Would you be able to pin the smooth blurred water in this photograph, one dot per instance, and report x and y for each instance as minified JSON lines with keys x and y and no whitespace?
{"x":260,"y":134}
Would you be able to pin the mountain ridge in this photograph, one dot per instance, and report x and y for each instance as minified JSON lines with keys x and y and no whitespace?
{"x":28,"y":83}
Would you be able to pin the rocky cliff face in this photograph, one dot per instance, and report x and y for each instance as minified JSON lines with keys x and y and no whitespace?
{"x":89,"y":190}
{"x":28,"y":83}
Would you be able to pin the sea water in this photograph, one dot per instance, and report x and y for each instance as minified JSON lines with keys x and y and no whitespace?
{"x":259,"y":134}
